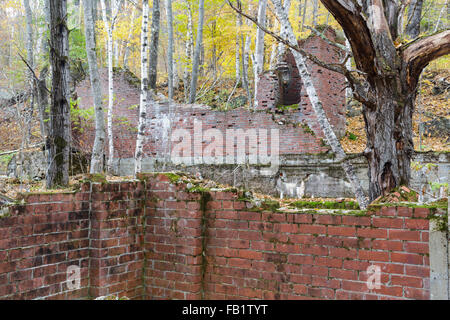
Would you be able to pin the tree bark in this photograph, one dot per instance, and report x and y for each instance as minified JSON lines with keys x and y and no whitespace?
{"x":144,"y":99}
{"x":98,"y":150}
{"x":389,"y":86}
{"x":198,"y":50}
{"x":58,"y":142}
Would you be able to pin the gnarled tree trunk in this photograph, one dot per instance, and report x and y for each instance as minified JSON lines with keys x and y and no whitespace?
{"x":387,"y":84}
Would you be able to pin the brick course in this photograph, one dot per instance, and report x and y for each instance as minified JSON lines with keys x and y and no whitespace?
{"x":151,"y":239}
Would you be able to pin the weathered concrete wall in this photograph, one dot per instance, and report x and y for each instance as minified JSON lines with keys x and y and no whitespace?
{"x":158,"y":238}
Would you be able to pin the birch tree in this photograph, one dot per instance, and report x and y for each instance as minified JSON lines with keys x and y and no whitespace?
{"x":198,"y":51}
{"x":170,"y":62}
{"x":109,"y":23}
{"x":98,"y":149}
{"x":58,"y":141}
{"x":259,"y":50}
{"x":28,"y":116}
{"x":281,"y":47}
{"x":154,"y":44}
{"x":316,"y":104}
{"x":144,"y":98}
{"x":189,"y":51}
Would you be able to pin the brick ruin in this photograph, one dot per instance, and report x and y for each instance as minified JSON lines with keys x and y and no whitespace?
{"x":298,"y":127}
{"x":159,"y":238}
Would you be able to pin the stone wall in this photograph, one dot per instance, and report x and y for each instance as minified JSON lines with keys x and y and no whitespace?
{"x":319,"y":174}
{"x":159,"y":238}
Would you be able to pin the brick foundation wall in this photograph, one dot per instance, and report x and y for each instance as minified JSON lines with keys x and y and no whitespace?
{"x":39,"y":241}
{"x":152,"y":239}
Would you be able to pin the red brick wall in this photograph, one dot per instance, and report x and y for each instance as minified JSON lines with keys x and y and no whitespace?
{"x":155,"y":240}
{"x":295,"y":140}
{"x":268,"y":255}
{"x":39,"y":241}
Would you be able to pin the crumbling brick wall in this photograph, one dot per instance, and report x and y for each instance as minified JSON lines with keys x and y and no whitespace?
{"x":295,"y":136}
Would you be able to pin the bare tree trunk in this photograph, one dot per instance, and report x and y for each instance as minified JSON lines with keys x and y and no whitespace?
{"x":238,"y":51}
{"x":170,"y":47}
{"x":98,"y":150}
{"x":273,"y":54}
{"x":154,"y":44}
{"x":144,"y":89}
{"x":176,"y":78}
{"x":315,"y":10}
{"x":189,"y":51}
{"x":29,"y":73}
{"x":58,"y":142}
{"x":198,"y":49}
{"x":109,"y":25}
{"x":304,"y":14}
{"x":130,"y":34}
{"x":318,"y":108}
{"x":414,"y":17}
{"x":43,"y":45}
{"x":281,"y":47}
{"x":259,"y":50}
{"x":445,"y":6}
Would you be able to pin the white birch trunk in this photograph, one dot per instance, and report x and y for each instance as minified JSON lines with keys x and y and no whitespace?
{"x":98,"y":149}
{"x":198,"y":49}
{"x":318,"y":108}
{"x":109,"y":32}
{"x":30,"y":77}
{"x":273,"y":54}
{"x":170,"y":62}
{"x":259,"y":50}
{"x":282,"y":47}
{"x":144,"y":99}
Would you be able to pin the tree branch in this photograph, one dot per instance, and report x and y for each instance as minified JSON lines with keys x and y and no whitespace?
{"x":348,"y":14}
{"x":419,"y":53}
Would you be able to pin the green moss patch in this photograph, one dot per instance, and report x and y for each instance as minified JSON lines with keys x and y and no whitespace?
{"x":349,"y":205}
